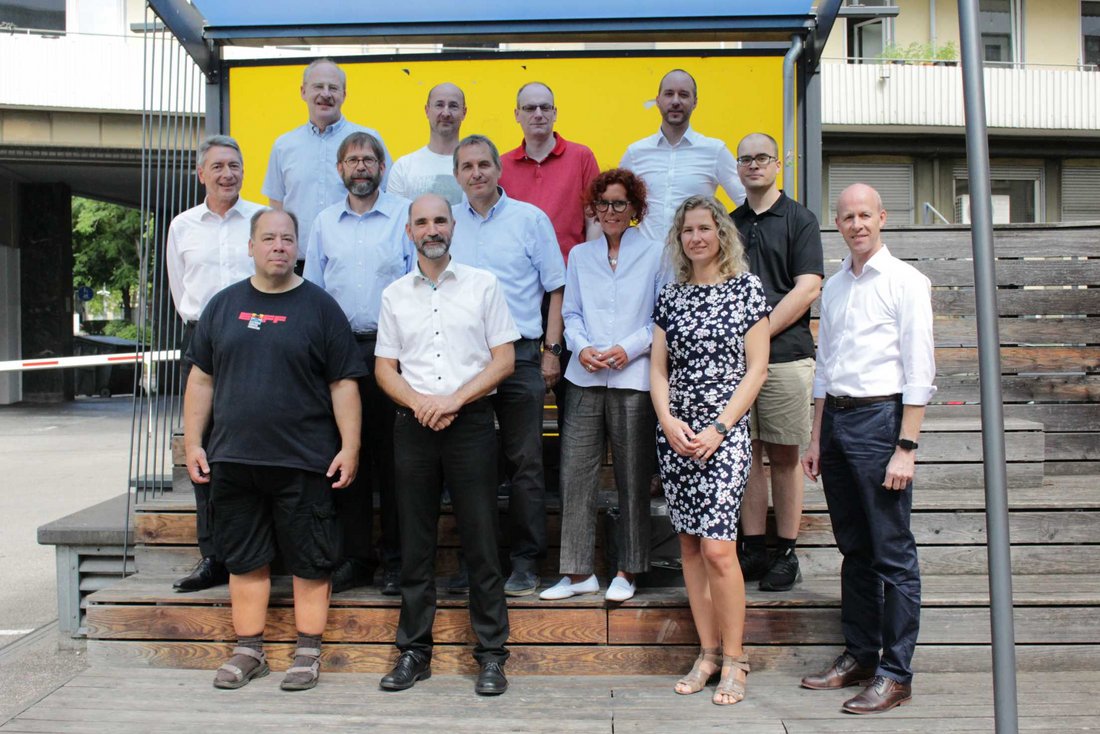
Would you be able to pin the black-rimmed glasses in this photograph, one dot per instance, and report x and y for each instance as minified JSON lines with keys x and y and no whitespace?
{"x":618,"y":206}
{"x":761,"y":160}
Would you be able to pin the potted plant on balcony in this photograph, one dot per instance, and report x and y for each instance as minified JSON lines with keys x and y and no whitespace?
{"x":947,"y":54}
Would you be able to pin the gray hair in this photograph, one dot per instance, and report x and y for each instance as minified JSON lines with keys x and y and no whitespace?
{"x":469,"y":140}
{"x":324,"y":60}
{"x":222,"y":141}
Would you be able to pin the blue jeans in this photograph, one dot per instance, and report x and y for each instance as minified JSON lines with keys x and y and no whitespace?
{"x":880,"y":578}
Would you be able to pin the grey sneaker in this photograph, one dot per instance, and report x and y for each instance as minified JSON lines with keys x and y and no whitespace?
{"x":521,"y":583}
{"x":783,"y":572}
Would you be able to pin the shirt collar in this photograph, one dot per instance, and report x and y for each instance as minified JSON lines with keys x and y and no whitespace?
{"x":879,"y":262}
{"x":334,"y":127}
{"x":449,"y":272}
{"x":492,"y":211}
{"x":520,"y":153}
{"x":690,"y":138}
{"x":233,"y":210}
{"x":383,"y":206}
{"x":777,"y":209}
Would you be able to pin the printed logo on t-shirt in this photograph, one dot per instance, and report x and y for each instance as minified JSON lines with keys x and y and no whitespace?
{"x":255,"y":320}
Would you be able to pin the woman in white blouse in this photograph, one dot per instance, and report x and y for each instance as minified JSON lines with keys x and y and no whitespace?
{"x":611,"y":287}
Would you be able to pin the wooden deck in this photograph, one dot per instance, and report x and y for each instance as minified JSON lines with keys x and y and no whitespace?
{"x":112,"y":700}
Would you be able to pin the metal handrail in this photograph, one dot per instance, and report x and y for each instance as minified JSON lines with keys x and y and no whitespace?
{"x":928,"y":209}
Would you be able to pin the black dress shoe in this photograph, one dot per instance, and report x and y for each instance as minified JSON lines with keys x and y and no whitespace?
{"x":410,"y":668}
{"x":350,"y":574}
{"x":391,"y":582}
{"x":491,"y":680}
{"x":460,"y":582}
{"x":205,"y":574}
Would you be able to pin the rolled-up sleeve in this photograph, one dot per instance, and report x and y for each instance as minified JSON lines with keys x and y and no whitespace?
{"x":918,"y":348}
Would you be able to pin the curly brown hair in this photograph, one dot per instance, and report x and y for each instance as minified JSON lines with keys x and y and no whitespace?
{"x":731,"y":253}
{"x":634,"y":185}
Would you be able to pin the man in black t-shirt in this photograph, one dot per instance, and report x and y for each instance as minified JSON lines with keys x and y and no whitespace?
{"x":782,"y":242}
{"x":275,"y":368}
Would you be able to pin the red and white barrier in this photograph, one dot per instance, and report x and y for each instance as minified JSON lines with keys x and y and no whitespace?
{"x":91,"y":360}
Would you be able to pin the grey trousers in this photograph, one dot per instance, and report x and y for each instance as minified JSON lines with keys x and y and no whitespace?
{"x":626,"y":419}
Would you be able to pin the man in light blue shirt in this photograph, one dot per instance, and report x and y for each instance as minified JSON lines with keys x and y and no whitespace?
{"x":515,"y":241}
{"x":356,"y":248}
{"x":301,"y":172}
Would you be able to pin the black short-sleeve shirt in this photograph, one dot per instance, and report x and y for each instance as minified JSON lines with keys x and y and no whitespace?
{"x":272,"y":357}
{"x":781,"y":244}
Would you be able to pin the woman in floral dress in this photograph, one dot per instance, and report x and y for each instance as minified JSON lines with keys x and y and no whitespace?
{"x":709,"y":359}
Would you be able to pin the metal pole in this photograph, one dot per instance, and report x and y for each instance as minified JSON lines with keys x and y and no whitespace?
{"x":790,"y":115}
{"x":989,"y":370}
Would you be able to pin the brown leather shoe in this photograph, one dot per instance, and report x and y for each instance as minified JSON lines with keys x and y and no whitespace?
{"x":844,"y":672}
{"x":882,"y":695}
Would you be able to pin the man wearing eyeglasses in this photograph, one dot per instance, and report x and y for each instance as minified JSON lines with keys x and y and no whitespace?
{"x":356,"y":248}
{"x":301,"y":172}
{"x":678,"y":162}
{"x":782,"y":242}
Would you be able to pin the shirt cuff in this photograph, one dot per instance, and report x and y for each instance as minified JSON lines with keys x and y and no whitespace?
{"x":917,"y":394}
{"x":505,"y":337}
{"x":387,"y":352}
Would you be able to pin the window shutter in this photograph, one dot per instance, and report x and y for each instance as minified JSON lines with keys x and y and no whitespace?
{"x":893,"y":181}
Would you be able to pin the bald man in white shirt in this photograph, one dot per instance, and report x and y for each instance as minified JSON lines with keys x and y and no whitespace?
{"x":875,"y":368}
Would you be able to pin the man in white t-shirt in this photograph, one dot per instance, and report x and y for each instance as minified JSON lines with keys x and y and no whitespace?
{"x":430,"y":170}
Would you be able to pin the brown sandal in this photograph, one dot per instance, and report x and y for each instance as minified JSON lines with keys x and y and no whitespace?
{"x":696,"y":679}
{"x":728,"y":685}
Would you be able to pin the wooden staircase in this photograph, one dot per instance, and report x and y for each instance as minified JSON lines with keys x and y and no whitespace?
{"x":1051,"y":360}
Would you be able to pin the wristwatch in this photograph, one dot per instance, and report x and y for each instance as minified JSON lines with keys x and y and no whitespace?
{"x":906,"y":445}
{"x":555,"y":349}
{"x":721,"y":427}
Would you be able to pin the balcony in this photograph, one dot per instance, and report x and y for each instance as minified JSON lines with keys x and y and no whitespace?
{"x":927,"y":96}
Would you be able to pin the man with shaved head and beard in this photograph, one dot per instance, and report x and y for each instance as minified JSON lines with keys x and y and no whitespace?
{"x":677,"y":162}
{"x":357,"y":247}
{"x":875,"y":369}
{"x":445,"y":342}
{"x":782,"y":242}
{"x":430,"y":170}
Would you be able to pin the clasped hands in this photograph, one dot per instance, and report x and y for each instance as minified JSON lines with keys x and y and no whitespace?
{"x":593,"y":360}
{"x":437,"y":411}
{"x":687,"y":443}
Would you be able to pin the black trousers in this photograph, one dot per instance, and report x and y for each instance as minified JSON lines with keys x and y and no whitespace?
{"x":880,"y":578}
{"x":355,"y":504}
{"x":204,"y":508}
{"x":464,"y":454}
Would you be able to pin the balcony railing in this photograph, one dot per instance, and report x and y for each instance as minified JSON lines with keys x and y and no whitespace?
{"x":913,"y":94}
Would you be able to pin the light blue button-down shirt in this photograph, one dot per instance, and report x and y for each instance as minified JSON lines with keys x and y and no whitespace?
{"x":301,"y":171}
{"x":355,"y":256}
{"x":604,"y":307}
{"x":516,"y":243}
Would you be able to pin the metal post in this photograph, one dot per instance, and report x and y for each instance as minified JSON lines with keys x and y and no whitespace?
{"x":989,"y":370}
{"x":790,"y":115}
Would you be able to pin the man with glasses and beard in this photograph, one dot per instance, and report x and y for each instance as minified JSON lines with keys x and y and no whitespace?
{"x":445,"y":341}
{"x":356,"y":248}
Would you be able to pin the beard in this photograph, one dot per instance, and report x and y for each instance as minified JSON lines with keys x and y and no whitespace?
{"x":433,"y":248}
{"x":366,"y":187}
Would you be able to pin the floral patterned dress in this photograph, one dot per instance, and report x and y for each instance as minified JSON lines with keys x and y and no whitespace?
{"x":705,"y":327}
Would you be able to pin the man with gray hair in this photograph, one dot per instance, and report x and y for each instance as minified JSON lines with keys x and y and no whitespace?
{"x":207,"y":250}
{"x":430,"y":169}
{"x":301,"y":172}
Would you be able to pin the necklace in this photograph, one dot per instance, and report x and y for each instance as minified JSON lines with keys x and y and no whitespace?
{"x":612,"y":261}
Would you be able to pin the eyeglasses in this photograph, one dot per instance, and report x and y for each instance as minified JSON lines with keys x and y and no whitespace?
{"x":619,"y":206}
{"x":530,"y":108}
{"x":368,"y":160}
{"x":761,"y":160}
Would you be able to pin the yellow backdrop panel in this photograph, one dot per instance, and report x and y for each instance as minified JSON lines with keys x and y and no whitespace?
{"x":605,"y":103}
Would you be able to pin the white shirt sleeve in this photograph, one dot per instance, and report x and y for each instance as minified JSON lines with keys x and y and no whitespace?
{"x":918,"y":348}
{"x":174,"y":263}
{"x":726,"y":173}
{"x":388,"y":344}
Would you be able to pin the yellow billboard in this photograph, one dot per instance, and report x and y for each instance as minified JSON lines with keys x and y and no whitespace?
{"x":605,"y":103}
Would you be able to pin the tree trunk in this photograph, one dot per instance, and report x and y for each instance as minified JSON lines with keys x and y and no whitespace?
{"x":127,"y":307}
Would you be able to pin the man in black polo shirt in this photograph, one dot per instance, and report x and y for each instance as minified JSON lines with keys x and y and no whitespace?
{"x":783,"y":244}
{"x":275,"y":367}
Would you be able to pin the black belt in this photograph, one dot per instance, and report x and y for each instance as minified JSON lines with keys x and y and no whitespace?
{"x":844,"y":402}
{"x":366,"y":336}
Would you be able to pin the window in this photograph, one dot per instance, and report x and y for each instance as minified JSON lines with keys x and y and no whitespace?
{"x":869,"y":25}
{"x":1090,"y":31}
{"x":46,"y":15}
{"x":1016,"y":192}
{"x":997,"y":22}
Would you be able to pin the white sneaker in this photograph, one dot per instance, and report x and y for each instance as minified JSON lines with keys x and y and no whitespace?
{"x":566,"y":588}
{"x":620,"y":589}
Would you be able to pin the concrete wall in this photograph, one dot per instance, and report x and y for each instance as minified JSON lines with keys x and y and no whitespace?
{"x":54,"y":127}
{"x":11,"y":384}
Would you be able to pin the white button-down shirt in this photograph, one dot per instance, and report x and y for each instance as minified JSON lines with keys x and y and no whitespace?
{"x":516,"y":243}
{"x":875,"y":334}
{"x":206,"y":252}
{"x":604,"y":307}
{"x":442,"y":334}
{"x":301,"y":171}
{"x":697,"y":165}
{"x":355,"y":256}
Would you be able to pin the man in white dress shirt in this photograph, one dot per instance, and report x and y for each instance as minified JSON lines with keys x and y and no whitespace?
{"x":445,"y":342}
{"x":430,"y":170}
{"x":207,"y":250}
{"x":875,"y":368}
{"x":677,"y":162}
{"x":301,"y":172}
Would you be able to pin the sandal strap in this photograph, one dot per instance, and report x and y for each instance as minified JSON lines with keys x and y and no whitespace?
{"x":308,"y":652}
{"x":248,"y":652}
{"x":233,"y":670}
{"x":741,"y":663}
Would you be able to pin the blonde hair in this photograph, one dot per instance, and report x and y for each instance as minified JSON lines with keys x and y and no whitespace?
{"x":731,"y":253}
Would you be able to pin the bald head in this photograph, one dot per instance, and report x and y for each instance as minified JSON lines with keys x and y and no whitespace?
{"x":859,"y":194}
{"x":446,"y":89}
{"x":758,"y":142}
{"x":679,"y":77}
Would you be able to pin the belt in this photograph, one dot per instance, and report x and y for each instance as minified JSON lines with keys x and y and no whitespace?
{"x":844,"y":402}
{"x":366,"y":336}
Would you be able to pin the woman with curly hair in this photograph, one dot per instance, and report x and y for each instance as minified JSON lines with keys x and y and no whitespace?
{"x":709,"y":360}
{"x":610,"y":289}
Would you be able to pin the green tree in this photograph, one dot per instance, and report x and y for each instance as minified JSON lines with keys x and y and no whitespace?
{"x":107,"y":248}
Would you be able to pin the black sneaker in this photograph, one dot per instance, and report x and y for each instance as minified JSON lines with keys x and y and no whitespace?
{"x":753,"y":564}
{"x":783,"y":572}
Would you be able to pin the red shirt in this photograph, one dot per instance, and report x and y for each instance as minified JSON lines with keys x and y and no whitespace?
{"x":556,"y":185}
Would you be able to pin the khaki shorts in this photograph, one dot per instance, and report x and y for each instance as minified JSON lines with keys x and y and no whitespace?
{"x":783,"y":411}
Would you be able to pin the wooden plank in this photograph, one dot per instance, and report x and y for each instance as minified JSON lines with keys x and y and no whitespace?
{"x":168,"y":528}
{"x":964,"y":360}
{"x":917,"y":243}
{"x":1072,"y":447}
{"x":963,"y":332}
{"x":1023,"y":388}
{"x":1072,"y":468}
{"x":969,"y":528}
{"x":132,"y":622}
{"x":1050,"y":272}
{"x":1020,"y":302}
{"x":956,"y":559}
{"x":958,"y":446}
{"x":1054,"y":417}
